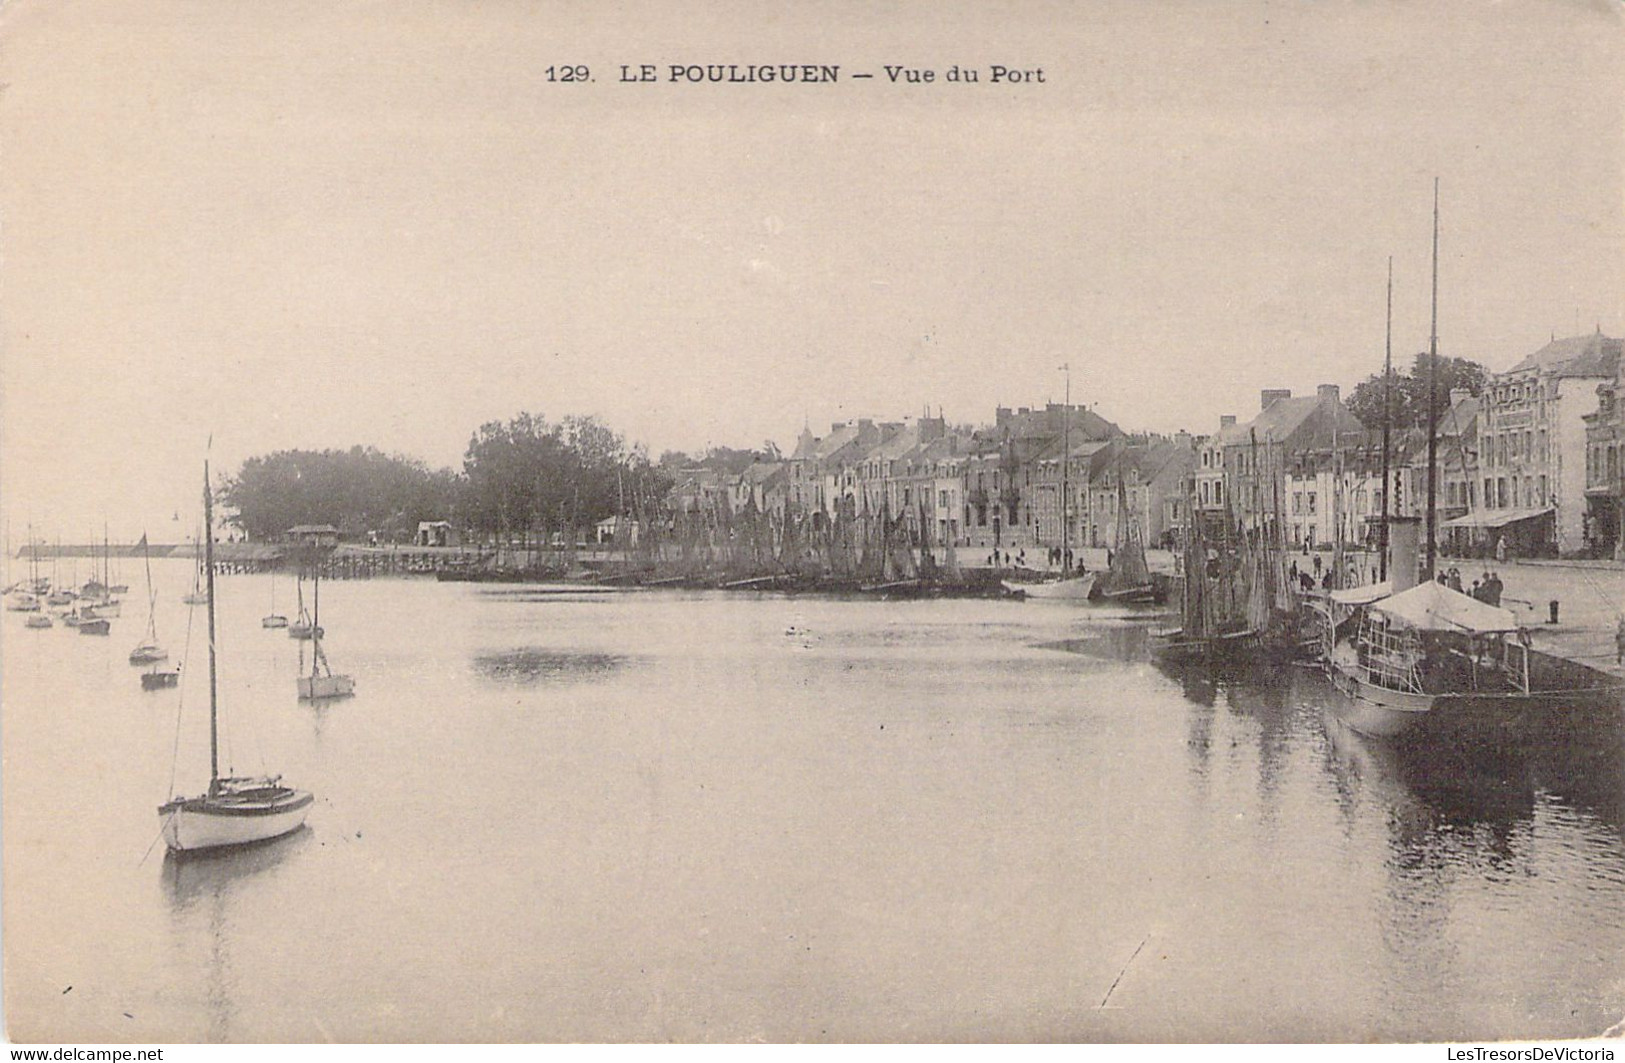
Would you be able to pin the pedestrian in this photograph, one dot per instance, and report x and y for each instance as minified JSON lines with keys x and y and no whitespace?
{"x":1475,"y":591}
{"x":1292,"y":571}
{"x":1492,"y":589}
{"x":1501,"y":550}
{"x":1317,"y":564}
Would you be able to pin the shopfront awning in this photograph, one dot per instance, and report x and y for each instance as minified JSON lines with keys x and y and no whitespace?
{"x":1496,"y":518}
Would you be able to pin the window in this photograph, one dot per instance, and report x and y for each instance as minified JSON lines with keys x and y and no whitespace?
{"x":1312,"y":503}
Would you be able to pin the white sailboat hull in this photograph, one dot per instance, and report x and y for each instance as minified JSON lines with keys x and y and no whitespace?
{"x":206,"y":823}
{"x":312,"y":687}
{"x":1076,"y":588}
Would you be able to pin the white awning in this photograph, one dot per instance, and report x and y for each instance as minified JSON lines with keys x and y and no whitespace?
{"x":1432,"y":606}
{"x":1496,"y":518}
{"x":1363,"y":595}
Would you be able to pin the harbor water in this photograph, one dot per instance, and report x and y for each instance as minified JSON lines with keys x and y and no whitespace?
{"x":560,"y":814}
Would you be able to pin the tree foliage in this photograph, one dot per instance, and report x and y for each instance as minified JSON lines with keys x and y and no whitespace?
{"x":1410,"y":391}
{"x":357,"y":490}
{"x":528,"y":474}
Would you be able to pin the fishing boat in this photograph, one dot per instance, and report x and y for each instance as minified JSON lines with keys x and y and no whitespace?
{"x":235,"y":810}
{"x":148,"y":651}
{"x":1128,"y":579}
{"x":38,"y":620}
{"x":321,"y":683}
{"x":1070,"y":584}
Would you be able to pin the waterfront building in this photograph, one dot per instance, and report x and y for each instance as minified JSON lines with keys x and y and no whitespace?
{"x":1533,"y":443}
{"x":1285,"y":457}
{"x":1605,"y":469}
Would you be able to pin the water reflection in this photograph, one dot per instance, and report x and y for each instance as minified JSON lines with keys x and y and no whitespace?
{"x":537,"y":665}
{"x":190,"y":877}
{"x":200,"y":887}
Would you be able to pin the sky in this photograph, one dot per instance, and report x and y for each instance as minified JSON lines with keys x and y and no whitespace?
{"x":320,"y":224}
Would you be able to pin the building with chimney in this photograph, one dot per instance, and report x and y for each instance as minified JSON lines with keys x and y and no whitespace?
{"x":1533,"y":446}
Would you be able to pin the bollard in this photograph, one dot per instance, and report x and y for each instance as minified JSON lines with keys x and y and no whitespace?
{"x":1551,"y":608}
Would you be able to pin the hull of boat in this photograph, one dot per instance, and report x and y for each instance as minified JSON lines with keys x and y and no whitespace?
{"x":160,"y":680}
{"x":37,"y":620}
{"x":148,"y":655}
{"x":1375,"y":710}
{"x":195,"y":599}
{"x":274,"y":621}
{"x":1075,"y":589}
{"x":94,"y":627}
{"x":302,"y":631}
{"x":316,"y":687}
{"x":204,"y":823}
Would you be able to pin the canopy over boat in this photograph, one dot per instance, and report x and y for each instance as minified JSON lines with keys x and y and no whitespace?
{"x":1365,"y":595}
{"x":1432,"y":606}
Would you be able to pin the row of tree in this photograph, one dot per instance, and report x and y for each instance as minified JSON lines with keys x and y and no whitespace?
{"x":521,"y":477}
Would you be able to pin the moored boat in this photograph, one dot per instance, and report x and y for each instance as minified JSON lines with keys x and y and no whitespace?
{"x":235,"y":810}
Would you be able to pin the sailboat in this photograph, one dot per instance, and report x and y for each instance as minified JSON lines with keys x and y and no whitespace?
{"x":302,"y":627}
{"x":274,"y":619}
{"x":27,"y":600}
{"x":1128,"y":580}
{"x":1070,"y":585}
{"x":235,"y":810}
{"x":147,"y":651}
{"x":37,"y":617}
{"x":60,"y":597}
{"x":197,"y":595}
{"x":321,"y":682}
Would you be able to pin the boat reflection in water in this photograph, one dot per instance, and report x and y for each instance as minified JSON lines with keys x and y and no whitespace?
{"x":200,"y":887}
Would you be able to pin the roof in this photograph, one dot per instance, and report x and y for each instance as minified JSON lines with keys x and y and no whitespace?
{"x":1281,"y":419}
{"x":313,"y":529}
{"x":761,"y":471}
{"x":1583,"y":356}
{"x":1432,"y":606}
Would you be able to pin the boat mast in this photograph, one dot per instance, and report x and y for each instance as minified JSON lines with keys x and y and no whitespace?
{"x":208,"y":567}
{"x":1433,"y":385}
{"x":1387,"y":420}
{"x":1066,"y":459}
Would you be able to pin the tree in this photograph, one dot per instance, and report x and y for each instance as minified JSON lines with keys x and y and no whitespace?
{"x":1410,"y":392}
{"x":356,"y":490}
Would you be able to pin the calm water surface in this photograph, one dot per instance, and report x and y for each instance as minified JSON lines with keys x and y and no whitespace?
{"x":660,"y":815}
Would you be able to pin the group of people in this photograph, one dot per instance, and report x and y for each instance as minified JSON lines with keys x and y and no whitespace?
{"x":1486,"y":589}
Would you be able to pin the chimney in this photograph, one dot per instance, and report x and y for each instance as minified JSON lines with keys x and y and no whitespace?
{"x":1001,"y":415}
{"x":1329,"y":393}
{"x":1268,"y":396}
{"x":1404,"y":540}
{"x":1227,"y":421}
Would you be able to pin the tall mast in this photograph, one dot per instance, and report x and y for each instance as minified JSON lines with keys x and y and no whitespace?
{"x":1066,"y":459}
{"x":208,"y":568}
{"x":1433,"y":385}
{"x":1387,"y":419}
